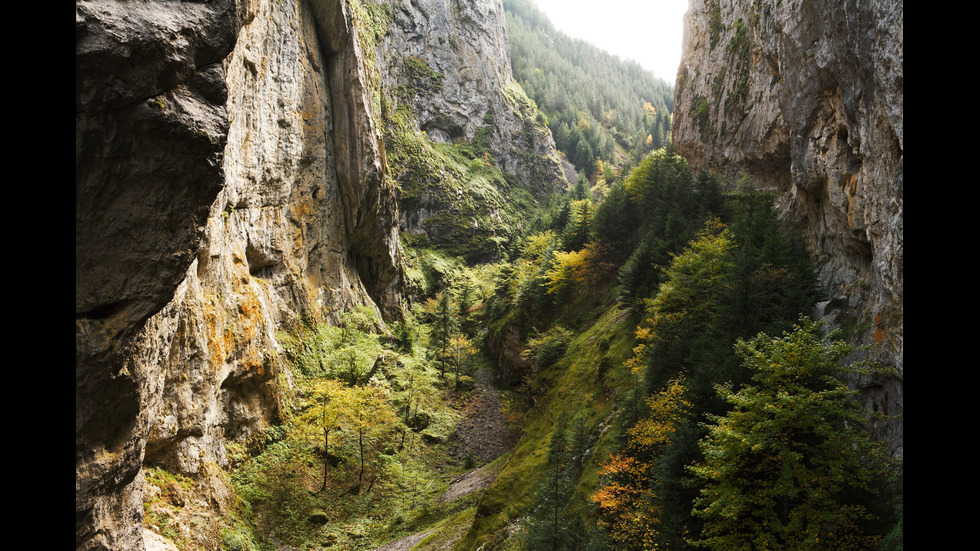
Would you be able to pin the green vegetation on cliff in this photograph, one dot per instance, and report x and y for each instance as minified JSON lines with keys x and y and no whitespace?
{"x":466,"y":205}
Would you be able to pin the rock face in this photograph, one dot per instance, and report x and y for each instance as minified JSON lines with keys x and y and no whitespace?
{"x":448,"y":62}
{"x":229,"y":182}
{"x":150,"y":130}
{"x":807,"y":99}
{"x":464,"y":45}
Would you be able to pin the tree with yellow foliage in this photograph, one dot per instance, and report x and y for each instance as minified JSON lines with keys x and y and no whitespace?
{"x":330,"y":402}
{"x":629,"y":509}
{"x":459,"y":350}
{"x":364,"y":413}
{"x":371,"y":418}
{"x":578,"y":269}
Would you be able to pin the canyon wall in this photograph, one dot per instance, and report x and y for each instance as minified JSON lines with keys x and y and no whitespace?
{"x":231,"y":183}
{"x":806,"y":98}
{"x":465,"y":43}
{"x":450,"y":95}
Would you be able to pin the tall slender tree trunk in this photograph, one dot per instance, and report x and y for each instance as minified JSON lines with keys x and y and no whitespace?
{"x":360,"y":445}
{"x":326,"y":457}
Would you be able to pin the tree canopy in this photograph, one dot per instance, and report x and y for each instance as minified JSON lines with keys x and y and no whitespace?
{"x":782,"y":469}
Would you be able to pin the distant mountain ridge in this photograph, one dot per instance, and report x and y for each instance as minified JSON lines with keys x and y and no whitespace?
{"x":597,"y":104}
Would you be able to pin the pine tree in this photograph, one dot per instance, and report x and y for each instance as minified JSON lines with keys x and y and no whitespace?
{"x":549,"y":527}
{"x":577,"y":231}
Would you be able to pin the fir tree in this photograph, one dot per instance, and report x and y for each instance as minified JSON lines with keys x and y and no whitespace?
{"x":781,"y":469}
{"x":549,"y":528}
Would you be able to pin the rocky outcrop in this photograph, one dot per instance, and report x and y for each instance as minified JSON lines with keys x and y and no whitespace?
{"x":508,"y":346}
{"x":150,"y":128}
{"x":463,"y":47}
{"x":447,"y":63}
{"x":807,"y":99}
{"x":229,"y":184}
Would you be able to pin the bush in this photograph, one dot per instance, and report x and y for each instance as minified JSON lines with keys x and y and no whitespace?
{"x":546,"y":349}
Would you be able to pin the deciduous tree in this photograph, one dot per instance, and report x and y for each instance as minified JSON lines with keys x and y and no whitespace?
{"x":330,"y":402}
{"x":627,"y":498}
{"x":458,"y":353}
{"x":370,"y":418}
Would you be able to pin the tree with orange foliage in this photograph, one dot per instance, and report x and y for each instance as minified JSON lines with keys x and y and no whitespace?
{"x":627,"y":498}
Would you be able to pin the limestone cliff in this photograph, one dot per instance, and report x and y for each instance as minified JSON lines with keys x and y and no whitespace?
{"x":229,"y":181}
{"x":465,"y":42}
{"x":807,"y":99}
{"x":150,"y":130}
{"x":445,"y":66}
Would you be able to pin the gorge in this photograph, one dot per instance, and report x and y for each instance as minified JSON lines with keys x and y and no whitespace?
{"x":244,"y":167}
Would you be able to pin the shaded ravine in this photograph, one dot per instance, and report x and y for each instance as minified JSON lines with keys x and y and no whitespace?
{"x":482,"y":435}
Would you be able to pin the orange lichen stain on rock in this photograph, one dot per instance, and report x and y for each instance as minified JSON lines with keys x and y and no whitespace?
{"x":245,"y":327}
{"x":252,"y":360}
{"x":301,"y":212}
{"x":215,"y":343}
{"x":231,"y":331}
{"x":878,"y":333}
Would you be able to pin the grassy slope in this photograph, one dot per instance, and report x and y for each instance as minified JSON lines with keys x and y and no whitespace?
{"x":571,"y":385}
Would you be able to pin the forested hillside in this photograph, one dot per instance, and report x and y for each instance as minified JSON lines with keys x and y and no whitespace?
{"x":597,"y":105}
{"x":658,"y":321}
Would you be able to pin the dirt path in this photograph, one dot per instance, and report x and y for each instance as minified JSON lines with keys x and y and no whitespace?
{"x":404,"y":544}
{"x":483,"y":432}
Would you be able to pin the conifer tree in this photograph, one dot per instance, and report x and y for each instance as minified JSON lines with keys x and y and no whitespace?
{"x":549,"y":528}
{"x":781,"y":469}
{"x":577,"y":232}
{"x":444,"y":328}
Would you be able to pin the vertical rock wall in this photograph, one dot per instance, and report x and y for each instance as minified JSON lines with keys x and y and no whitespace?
{"x":466,"y":43}
{"x":229,"y":182}
{"x":150,"y":129}
{"x":807,"y":98}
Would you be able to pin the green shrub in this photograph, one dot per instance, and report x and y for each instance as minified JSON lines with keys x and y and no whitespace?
{"x":546,"y":349}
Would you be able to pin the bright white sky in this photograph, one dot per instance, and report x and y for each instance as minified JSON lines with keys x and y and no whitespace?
{"x":648,"y":31}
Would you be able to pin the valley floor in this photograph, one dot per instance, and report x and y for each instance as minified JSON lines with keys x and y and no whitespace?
{"x":481,"y":436}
